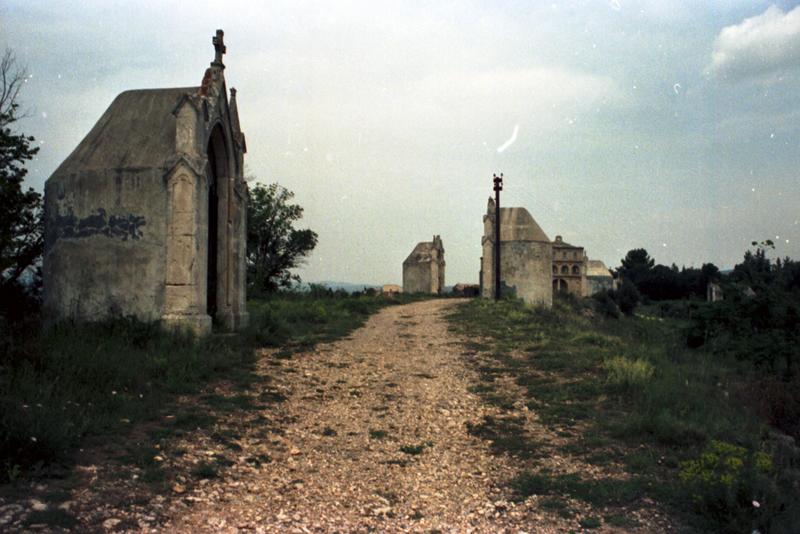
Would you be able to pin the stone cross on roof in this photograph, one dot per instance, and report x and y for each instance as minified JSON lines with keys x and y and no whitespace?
{"x":219,"y":48}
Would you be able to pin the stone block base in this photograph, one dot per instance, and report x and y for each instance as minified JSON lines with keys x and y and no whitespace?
{"x":233,"y":322}
{"x":200,"y":325}
{"x":242,"y":321}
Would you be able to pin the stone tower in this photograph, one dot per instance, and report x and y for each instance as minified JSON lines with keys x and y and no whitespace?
{"x":147,"y":216}
{"x":423,"y":270}
{"x":526,"y":256}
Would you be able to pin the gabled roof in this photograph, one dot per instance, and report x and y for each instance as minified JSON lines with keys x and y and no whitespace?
{"x":423,"y":252}
{"x":516,"y":224}
{"x":136,"y":131}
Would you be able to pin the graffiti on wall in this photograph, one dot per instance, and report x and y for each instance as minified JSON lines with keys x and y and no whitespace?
{"x":124,"y":227}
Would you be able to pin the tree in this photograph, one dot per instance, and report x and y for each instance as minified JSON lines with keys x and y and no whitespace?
{"x":755,"y":269}
{"x":627,"y":297}
{"x":636,"y":265}
{"x":274,"y":247}
{"x":21,"y":228}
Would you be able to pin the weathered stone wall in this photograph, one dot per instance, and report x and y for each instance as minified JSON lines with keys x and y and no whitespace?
{"x":525,"y":269}
{"x":105,"y":245}
{"x":417,"y":278}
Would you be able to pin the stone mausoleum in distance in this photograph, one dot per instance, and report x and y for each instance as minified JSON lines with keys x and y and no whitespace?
{"x":423,"y":269}
{"x":147,"y":216}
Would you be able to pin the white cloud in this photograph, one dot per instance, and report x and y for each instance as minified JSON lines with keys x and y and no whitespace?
{"x":758,"y":45}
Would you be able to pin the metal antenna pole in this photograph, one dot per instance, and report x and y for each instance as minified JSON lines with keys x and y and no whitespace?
{"x":498,"y":186}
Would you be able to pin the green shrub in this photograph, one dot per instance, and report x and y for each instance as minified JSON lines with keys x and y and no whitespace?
{"x":627,"y":297}
{"x":101,"y":377}
{"x":731,"y":486}
{"x":76,"y":380}
{"x":605,"y":304}
{"x":628,"y":374}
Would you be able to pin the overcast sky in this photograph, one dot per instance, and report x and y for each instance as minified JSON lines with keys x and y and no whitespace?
{"x":673,"y":126}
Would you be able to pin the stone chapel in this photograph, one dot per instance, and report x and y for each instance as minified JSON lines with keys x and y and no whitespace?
{"x":147,"y":216}
{"x":423,"y":269}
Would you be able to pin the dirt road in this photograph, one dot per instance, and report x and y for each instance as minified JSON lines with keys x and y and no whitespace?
{"x":367,"y":434}
{"x":379,"y":441}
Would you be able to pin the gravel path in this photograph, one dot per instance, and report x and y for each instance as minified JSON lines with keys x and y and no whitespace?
{"x":379,"y":441}
{"x":367,"y":434}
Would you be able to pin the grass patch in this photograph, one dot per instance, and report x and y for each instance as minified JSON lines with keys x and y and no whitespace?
{"x":644,"y":399}
{"x":415,"y":450}
{"x":74,"y":381}
{"x":624,"y":373}
{"x":598,"y":492}
{"x":620,"y":520}
{"x":378,"y":434}
{"x":557,"y":505}
{"x":590,"y":522}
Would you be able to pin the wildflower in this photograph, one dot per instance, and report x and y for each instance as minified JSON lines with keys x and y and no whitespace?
{"x":113,"y":392}
{"x":756,"y":504}
{"x":33,"y":439}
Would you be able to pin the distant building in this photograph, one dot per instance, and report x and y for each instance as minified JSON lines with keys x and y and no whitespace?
{"x":714,"y":292}
{"x":526,"y":256}
{"x":391,"y":289}
{"x":532,"y":267}
{"x":467,"y":290}
{"x":569,"y":268}
{"x":423,"y":269}
{"x":598,"y":278}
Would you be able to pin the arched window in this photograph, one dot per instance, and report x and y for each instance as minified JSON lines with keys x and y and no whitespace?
{"x":564,"y":269}
{"x":576,"y":269}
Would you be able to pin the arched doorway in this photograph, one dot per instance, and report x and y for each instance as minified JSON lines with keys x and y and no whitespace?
{"x":560,"y":285}
{"x":218,"y":172}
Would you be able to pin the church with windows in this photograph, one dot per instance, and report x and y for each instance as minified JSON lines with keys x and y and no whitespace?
{"x":533,"y":267}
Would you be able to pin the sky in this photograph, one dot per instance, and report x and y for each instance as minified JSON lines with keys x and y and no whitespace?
{"x":667,"y":125}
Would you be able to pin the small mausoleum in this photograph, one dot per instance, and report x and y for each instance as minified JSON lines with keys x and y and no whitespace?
{"x":147,"y":216}
{"x":423,"y":269}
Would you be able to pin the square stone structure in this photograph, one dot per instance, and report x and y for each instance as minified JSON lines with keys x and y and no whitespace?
{"x":423,"y":270}
{"x":526,"y":256}
{"x":147,"y":216}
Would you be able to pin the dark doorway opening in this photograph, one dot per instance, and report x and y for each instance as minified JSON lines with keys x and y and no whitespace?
{"x":560,"y":285}
{"x":217,"y":163}
{"x":211,"y":278}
